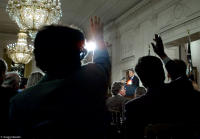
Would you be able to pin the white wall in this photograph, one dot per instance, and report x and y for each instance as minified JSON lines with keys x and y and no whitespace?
{"x":195,"y":50}
{"x":131,"y":33}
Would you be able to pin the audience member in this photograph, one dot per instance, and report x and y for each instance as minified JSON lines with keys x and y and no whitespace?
{"x":3,"y":70}
{"x":140,"y":91}
{"x":140,"y":111}
{"x":70,"y":100}
{"x":12,"y":81}
{"x":176,"y":69}
{"x":117,"y":101}
{"x":115,"y":106}
{"x":175,"y":103}
{"x":34,"y":78}
{"x":5,"y":95}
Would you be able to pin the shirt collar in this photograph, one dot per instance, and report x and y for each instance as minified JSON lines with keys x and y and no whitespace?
{"x":132,"y":77}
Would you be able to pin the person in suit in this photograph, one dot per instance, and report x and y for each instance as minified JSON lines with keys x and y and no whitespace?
{"x":139,"y":92}
{"x":70,"y":100}
{"x":132,"y":83}
{"x":173,"y":104}
{"x":140,"y":111}
{"x":181,"y":87}
{"x":12,"y":81}
{"x":115,"y":107}
{"x":117,"y":101}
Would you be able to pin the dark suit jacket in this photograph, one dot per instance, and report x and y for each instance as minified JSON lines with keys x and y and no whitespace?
{"x":116,"y":103}
{"x":71,"y":106}
{"x":130,"y":89}
{"x":185,"y":98}
{"x":135,"y":81}
{"x":141,"y":111}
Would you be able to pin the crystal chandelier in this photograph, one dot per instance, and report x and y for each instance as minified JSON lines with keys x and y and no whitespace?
{"x":20,"y":52}
{"x":30,"y":15}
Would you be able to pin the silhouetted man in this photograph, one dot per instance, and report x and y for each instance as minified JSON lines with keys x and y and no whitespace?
{"x":181,"y":87}
{"x":139,"y":112}
{"x":175,"y":103}
{"x":70,"y":100}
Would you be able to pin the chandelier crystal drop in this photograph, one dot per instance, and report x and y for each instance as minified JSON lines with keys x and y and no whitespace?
{"x":20,"y":52}
{"x":31,"y":15}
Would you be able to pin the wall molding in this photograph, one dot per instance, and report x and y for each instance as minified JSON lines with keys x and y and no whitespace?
{"x":128,"y":58}
{"x":180,"y":23}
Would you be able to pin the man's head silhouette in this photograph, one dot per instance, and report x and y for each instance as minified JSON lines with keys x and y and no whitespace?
{"x":57,"y":49}
{"x":150,"y":70}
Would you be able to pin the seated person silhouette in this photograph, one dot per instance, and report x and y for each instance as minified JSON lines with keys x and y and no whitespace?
{"x":117,"y":101}
{"x":115,"y":106}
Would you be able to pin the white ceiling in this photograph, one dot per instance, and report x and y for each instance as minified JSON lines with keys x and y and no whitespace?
{"x":76,"y":12}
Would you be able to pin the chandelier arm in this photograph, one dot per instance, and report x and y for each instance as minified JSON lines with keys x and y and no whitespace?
{"x":34,"y":17}
{"x":47,"y":16}
{"x":22,"y":17}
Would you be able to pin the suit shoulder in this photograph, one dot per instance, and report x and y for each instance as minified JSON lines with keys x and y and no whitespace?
{"x":135,"y":102}
{"x":21,"y":95}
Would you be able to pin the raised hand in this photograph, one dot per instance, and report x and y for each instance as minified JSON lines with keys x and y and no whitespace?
{"x":158,"y":46}
{"x":96,"y":31}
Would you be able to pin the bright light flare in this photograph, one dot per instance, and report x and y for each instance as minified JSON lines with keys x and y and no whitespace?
{"x":90,"y":46}
{"x":129,"y":82}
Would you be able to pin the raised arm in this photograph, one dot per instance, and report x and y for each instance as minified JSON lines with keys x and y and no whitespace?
{"x":158,"y":47}
{"x":101,"y":56}
{"x":170,"y":65}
